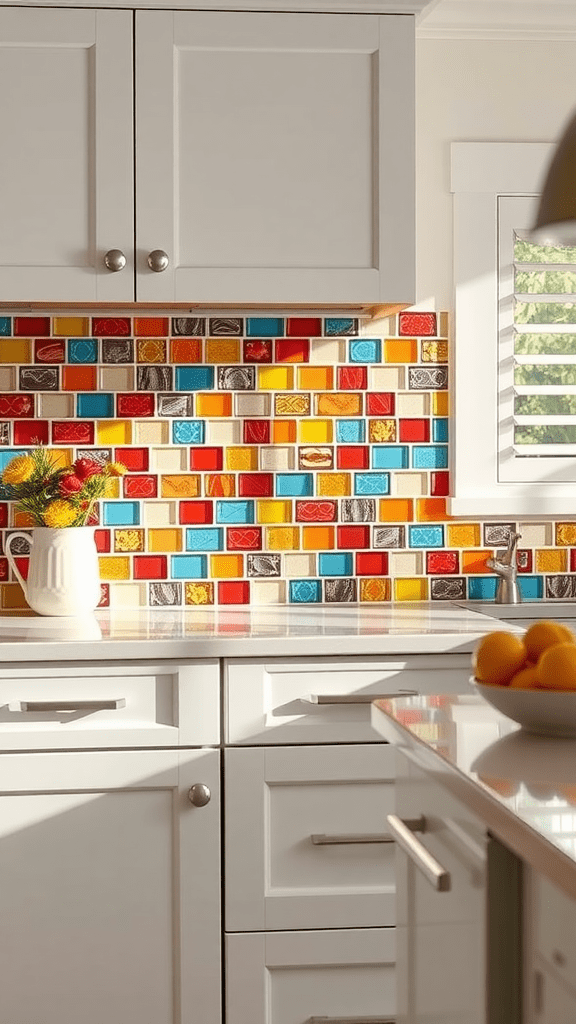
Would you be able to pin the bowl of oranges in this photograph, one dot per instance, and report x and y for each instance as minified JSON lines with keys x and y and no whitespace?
{"x":531,"y":678}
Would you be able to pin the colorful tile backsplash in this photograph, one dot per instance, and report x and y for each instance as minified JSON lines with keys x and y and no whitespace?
{"x":295,"y":459}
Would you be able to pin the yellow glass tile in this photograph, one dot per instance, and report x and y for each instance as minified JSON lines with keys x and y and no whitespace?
{"x":334,"y":485}
{"x":316,"y":431}
{"x":566,"y":533}
{"x":117,"y":432}
{"x":180,"y":486}
{"x":15,"y":350}
{"x":396,"y":510}
{"x":164,"y":540}
{"x":22,"y":520}
{"x":431,"y":510}
{"x":112,"y":488}
{"x":243,"y":458}
{"x":317,"y":538}
{"x":222,"y":350}
{"x":225,"y":567}
{"x":382,"y":430}
{"x":555,"y":560}
{"x":273,"y":511}
{"x":13,"y":596}
{"x":112,"y":568}
{"x":339,"y":404}
{"x":199,"y":593}
{"x":275,"y":378}
{"x":220,"y":485}
{"x":71,"y":326}
{"x":475,"y":561}
{"x":283,"y":538}
{"x":60,"y":456}
{"x":374,"y":589}
{"x":283,"y":431}
{"x":434,"y":351}
{"x":292,"y":405}
{"x":440,"y":403}
{"x":411,"y":589}
{"x":214,"y":405}
{"x":128,"y":540}
{"x":316,"y":378}
{"x":400,"y":350}
{"x":150,"y":350}
{"x":152,"y":432}
{"x":463,"y":535}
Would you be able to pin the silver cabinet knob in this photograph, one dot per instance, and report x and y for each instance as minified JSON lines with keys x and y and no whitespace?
{"x":199,"y":794}
{"x":158,"y":260}
{"x":115,"y":260}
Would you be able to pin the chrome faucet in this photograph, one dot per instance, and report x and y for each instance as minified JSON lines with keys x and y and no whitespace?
{"x":506,"y":568}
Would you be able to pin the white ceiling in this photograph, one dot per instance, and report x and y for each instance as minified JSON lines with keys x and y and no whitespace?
{"x":498,"y":19}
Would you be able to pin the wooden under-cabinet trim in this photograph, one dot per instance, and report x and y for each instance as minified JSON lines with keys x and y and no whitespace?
{"x":91,"y":309}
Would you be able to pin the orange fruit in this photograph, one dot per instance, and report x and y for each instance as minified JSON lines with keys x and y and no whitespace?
{"x":544,"y":634}
{"x":556,"y":668}
{"x":525,"y":679}
{"x":498,"y":656}
{"x":506,"y":787}
{"x":568,"y":791}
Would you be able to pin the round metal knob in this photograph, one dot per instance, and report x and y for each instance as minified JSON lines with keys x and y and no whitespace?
{"x":199,"y":794}
{"x":158,"y":260}
{"x":115,"y":260}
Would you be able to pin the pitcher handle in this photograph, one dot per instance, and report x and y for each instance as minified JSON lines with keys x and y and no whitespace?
{"x":10,"y":557}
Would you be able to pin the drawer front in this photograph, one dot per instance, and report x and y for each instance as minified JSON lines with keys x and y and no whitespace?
{"x":311,"y":977}
{"x":555,"y":929}
{"x":306,"y":840}
{"x":109,"y":704}
{"x":326,"y":700}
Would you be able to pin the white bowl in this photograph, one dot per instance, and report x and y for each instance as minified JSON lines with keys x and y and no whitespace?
{"x":547,"y":712}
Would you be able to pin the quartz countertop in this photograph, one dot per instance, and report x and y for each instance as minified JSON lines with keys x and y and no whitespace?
{"x":522,"y":785}
{"x":240,"y":631}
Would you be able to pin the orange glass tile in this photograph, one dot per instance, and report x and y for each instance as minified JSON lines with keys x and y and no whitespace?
{"x":180,"y":486}
{"x":292,"y":405}
{"x":114,"y":568}
{"x":316,"y":378}
{"x":150,"y":350}
{"x":282,"y":538}
{"x":335,"y":485}
{"x":199,"y":593}
{"x":220,"y":485}
{"x":151,"y":326}
{"x":13,"y":596}
{"x":242,"y":459}
{"x":396,"y":510}
{"x":374,"y":589}
{"x":225,"y":567}
{"x":339,"y":404}
{"x":475,"y":561}
{"x":411,"y":589}
{"x":431,"y":510}
{"x":15,"y":350}
{"x":440,"y":403}
{"x":186,"y":350}
{"x":555,"y":560}
{"x":273,"y":511}
{"x":566,"y":534}
{"x":463,"y":535}
{"x":382,"y":430}
{"x":214,"y":405}
{"x":70,"y":326}
{"x":317,"y":538}
{"x":79,"y":378}
{"x":128,"y":540}
{"x":275,"y":378}
{"x":283,"y":431}
{"x":434,"y":351}
{"x":404,"y":350}
{"x":165,"y":540}
{"x":222,"y":350}
{"x":22,"y":520}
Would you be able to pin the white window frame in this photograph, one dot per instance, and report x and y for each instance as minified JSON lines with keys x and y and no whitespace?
{"x":483,"y":173}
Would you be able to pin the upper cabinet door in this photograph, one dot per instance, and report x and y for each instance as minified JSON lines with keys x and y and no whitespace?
{"x":275,"y":157}
{"x":67,"y":154}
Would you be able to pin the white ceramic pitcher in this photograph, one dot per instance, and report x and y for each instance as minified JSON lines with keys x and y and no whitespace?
{"x":63,"y":578}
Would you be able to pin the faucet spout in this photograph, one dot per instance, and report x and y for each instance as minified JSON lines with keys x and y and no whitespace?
{"x":508,"y":591}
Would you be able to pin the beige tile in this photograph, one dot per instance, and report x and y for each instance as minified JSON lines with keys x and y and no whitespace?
{"x":7,"y":378}
{"x":444,"y":323}
{"x":169,"y":460}
{"x":151,"y":432}
{"x":160,"y":513}
{"x":299,"y":565}
{"x":405,"y":563}
{"x":276,"y":458}
{"x":250,"y":404}
{"x":409,"y":485}
{"x":413,"y":403}
{"x":268,"y":592}
{"x":327,"y":350}
{"x":55,"y":406}
{"x":116,"y":378}
{"x":128,"y":595}
{"x":224,"y":431}
{"x":387,"y":378}
{"x":535,"y":535}
{"x":383,"y":327}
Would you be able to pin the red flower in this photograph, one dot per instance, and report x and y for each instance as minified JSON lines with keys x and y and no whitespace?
{"x":70,"y":484}
{"x":85,"y":468}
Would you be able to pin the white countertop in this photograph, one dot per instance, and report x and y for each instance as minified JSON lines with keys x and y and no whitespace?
{"x":522,"y":785}
{"x":240,"y":631}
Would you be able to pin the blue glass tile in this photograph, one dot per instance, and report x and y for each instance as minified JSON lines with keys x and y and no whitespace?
{"x":426,"y":536}
{"x":390,"y":456}
{"x":83,"y":350}
{"x":340,"y":326}
{"x":8,"y":454}
{"x":194,"y":378}
{"x":188,"y":431}
{"x":294,"y":485}
{"x":305,"y":591}
{"x":189,"y":567}
{"x":264,"y":327}
{"x":366,"y":350}
{"x":96,"y":407}
{"x":482,"y":588}
{"x":205,"y":539}
{"x":234,"y":511}
{"x":120,"y":513}
{"x":430,"y":456}
{"x":337,"y":564}
{"x":531,"y":586}
{"x":350,"y":431}
{"x":372,"y":483}
{"x":5,"y":326}
{"x":440,"y":430}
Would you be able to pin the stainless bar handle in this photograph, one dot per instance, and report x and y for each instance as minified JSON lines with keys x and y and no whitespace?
{"x":321,"y":839}
{"x":355,"y":698}
{"x":403,"y":832}
{"x":351,"y":1020}
{"x":67,"y":705}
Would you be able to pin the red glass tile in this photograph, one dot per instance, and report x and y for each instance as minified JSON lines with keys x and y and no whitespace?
{"x":3,"y":514}
{"x":442,"y":563}
{"x":439,"y":484}
{"x":294,"y":351}
{"x":186,"y":350}
{"x":151,"y":326}
{"x":380,"y":403}
{"x":255,"y":485}
{"x":353,"y":536}
{"x":417,"y":323}
{"x":73,"y":432}
{"x":244,"y":538}
{"x":135,"y":405}
{"x":316,"y":511}
{"x":135,"y":459}
{"x":49,"y":351}
{"x":353,"y":456}
{"x":200,"y":512}
{"x":372,"y":563}
{"x":150,"y":567}
{"x":12,"y":406}
{"x":103,"y":541}
{"x":110,"y":326}
{"x":352,"y":378}
{"x":301,"y":326}
{"x":23,"y":565}
{"x":414,"y":430}
{"x":94,"y":517}
{"x":233,"y":592}
{"x":206,"y":458}
{"x":105,"y":595}
{"x":79,"y":378}
{"x":256,"y":431}
{"x":3,"y":568}
{"x":137,"y":486}
{"x":31,"y":432}
{"x":258,"y":350}
{"x":31,"y":326}
{"x":524,"y":560}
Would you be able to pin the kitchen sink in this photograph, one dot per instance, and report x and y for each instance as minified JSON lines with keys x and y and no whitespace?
{"x":560,"y":610}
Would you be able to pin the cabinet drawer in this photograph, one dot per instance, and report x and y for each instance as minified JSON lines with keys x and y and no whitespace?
{"x":109,"y":704}
{"x":306,"y":840}
{"x":326,"y":700}
{"x":302,"y":977}
{"x":555,"y":929}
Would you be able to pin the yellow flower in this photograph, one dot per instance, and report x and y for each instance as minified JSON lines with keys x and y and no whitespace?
{"x":59,"y":514}
{"x":18,"y":470}
{"x":115,"y":469}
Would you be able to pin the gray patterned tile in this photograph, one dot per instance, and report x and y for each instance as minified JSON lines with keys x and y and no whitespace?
{"x":189,"y":325}
{"x":389,"y":537}
{"x":561,"y":586}
{"x":453,"y":589}
{"x":165,"y":594}
{"x":340,"y":591}
{"x":237,"y":378}
{"x":358,"y":510}
{"x":39,"y":378}
{"x":99,"y":455}
{"x":154,"y":378}
{"x":175,"y":405}
{"x":117,"y":350}
{"x":226,"y":325}
{"x":264,"y":565}
{"x":497,"y":533}
{"x":423,"y":378}
{"x":4,"y":433}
